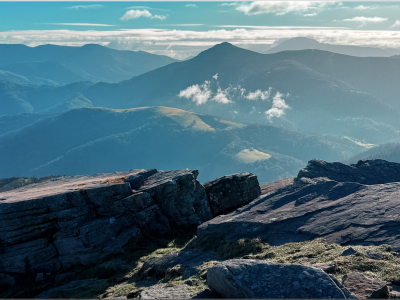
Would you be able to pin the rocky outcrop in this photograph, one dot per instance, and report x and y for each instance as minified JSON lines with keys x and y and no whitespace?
{"x":67,"y":221}
{"x":365,"y":287}
{"x":227,"y":193}
{"x":375,"y":171}
{"x":248,"y":278}
{"x":354,"y":205}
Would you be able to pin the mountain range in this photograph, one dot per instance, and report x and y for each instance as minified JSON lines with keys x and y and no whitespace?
{"x":227,"y":109}
{"x":304,"y":43}
{"x":54,"y":65}
{"x":98,"y":140}
{"x":308,"y":90}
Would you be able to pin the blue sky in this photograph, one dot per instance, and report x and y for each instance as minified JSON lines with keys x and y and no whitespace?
{"x":180,"y":29}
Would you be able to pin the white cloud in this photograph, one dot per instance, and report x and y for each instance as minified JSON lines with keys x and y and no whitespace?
{"x":362,"y":7}
{"x":222,"y":97}
{"x":371,"y":7}
{"x":80,"y":24}
{"x":161,"y":17}
{"x":365,"y":20}
{"x":396,"y":24}
{"x":263,"y":95}
{"x":92,"y":6}
{"x":278,"y":106}
{"x":311,"y":15}
{"x":191,"y":5}
{"x":137,"y":13}
{"x":229,"y":4}
{"x":279,"y":7}
{"x":199,"y":94}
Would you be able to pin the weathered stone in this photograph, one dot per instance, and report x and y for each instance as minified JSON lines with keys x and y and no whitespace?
{"x":227,"y":193}
{"x":206,"y":294}
{"x":137,"y":180}
{"x":72,"y":287}
{"x":375,"y":171}
{"x":329,"y":203}
{"x":323,"y":266}
{"x":273,"y":186}
{"x":180,"y":197}
{"x":39,"y":278}
{"x":395,"y":291}
{"x":63,"y":277}
{"x":348,"y":252}
{"x":247,"y":278}
{"x":365,"y":287}
{"x":116,"y":265}
{"x":373,"y":254}
{"x":6,"y":279}
{"x":160,"y":291}
{"x":67,"y":221}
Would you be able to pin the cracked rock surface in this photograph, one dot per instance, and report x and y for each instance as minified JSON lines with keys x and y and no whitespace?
{"x":354,"y":205}
{"x":67,"y":221}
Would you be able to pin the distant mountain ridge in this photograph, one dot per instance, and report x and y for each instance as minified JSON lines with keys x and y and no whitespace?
{"x":315,"y":91}
{"x":64,"y":64}
{"x":304,"y":43}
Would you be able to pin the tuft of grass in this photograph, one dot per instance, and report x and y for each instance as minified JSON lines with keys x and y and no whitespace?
{"x":227,"y":250}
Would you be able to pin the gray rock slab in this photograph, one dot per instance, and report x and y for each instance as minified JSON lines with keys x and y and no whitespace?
{"x":348,"y":252}
{"x":52,"y":225}
{"x":227,"y":193}
{"x":343,"y":211}
{"x":70,"y":287}
{"x":161,"y":291}
{"x":247,"y":278}
{"x":365,"y":287}
{"x":179,"y":195}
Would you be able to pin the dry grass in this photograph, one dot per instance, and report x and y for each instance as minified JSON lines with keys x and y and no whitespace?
{"x":136,"y":253}
{"x":113,"y":180}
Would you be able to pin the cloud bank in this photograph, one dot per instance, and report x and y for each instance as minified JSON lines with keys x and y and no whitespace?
{"x":365,"y":20}
{"x":189,"y":42}
{"x":280,"y":7}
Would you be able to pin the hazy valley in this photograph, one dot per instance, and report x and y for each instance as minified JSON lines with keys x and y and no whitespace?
{"x":227,"y":109}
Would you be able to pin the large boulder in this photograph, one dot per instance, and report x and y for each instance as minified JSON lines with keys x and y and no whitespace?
{"x":248,"y":278}
{"x":227,"y":193}
{"x":353,"y":205}
{"x":365,"y":287}
{"x":62,"y":222}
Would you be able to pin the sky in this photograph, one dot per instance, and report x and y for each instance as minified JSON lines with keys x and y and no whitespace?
{"x":182,"y":29}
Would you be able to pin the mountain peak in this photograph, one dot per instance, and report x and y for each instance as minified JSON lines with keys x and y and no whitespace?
{"x":223,"y":49}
